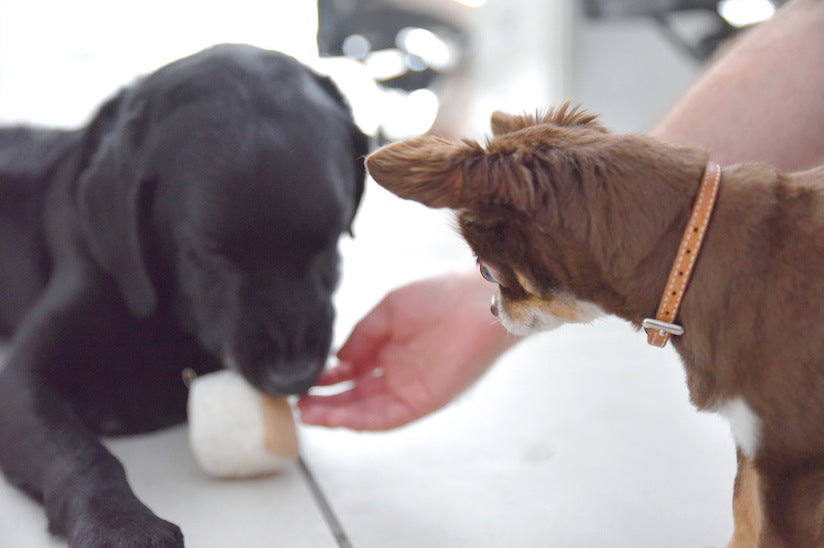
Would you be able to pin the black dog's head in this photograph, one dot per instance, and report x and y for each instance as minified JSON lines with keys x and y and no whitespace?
{"x":217,"y":192}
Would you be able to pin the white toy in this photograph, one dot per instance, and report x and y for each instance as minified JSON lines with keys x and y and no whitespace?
{"x":237,"y":432}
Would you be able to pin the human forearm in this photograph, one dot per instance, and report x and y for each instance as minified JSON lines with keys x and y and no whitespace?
{"x":763,"y":98}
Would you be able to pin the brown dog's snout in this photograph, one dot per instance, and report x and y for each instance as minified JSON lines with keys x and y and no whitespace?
{"x":493,"y":307}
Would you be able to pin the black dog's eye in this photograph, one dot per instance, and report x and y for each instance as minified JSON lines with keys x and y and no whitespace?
{"x":488,"y":272}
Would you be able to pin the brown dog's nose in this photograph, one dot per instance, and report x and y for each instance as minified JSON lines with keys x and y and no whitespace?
{"x":494,"y":306}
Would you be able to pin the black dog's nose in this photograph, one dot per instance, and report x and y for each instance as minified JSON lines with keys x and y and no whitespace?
{"x":494,"y":306}
{"x":296,"y":377}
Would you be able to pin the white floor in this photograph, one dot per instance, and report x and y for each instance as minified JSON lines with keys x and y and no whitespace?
{"x":580,"y":437}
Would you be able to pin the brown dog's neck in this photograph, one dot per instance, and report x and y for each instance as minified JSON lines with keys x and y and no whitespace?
{"x":637,"y":209}
{"x":660,"y":328}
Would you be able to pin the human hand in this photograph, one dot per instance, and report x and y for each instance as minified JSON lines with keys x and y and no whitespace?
{"x":420,"y":347}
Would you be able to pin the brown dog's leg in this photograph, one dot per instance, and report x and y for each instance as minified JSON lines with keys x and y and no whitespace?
{"x":793,"y":506}
{"x":746,"y":505}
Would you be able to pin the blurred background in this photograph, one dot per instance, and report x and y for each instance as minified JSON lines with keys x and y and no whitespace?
{"x":408,"y":66}
{"x":580,"y":437}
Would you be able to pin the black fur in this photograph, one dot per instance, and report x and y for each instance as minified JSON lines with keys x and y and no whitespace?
{"x":193,"y":223}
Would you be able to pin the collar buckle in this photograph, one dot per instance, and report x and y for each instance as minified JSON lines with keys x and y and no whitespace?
{"x":660,"y":328}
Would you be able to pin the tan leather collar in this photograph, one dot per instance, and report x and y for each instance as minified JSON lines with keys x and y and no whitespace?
{"x":660,"y":328}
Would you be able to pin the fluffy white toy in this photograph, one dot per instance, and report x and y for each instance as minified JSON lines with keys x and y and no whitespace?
{"x":237,"y":432}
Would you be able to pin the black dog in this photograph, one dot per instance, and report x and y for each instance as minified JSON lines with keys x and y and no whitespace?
{"x":193,"y":223}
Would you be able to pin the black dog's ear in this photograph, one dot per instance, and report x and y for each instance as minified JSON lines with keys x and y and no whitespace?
{"x":114,"y":195}
{"x":360,"y":143}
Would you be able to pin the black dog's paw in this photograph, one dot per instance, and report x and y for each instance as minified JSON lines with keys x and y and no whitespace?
{"x":127,"y":531}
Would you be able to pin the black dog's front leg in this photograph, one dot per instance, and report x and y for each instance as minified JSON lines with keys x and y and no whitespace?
{"x":46,"y":448}
{"x":47,"y":451}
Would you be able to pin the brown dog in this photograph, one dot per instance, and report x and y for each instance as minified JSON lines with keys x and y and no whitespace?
{"x":571,"y":221}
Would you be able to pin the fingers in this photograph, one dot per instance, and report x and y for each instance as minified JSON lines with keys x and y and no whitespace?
{"x":342,"y":372}
{"x":367,"y":406}
{"x":359,"y":354}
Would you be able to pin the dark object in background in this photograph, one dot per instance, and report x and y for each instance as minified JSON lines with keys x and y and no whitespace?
{"x":663,"y":12}
{"x":193,"y":223}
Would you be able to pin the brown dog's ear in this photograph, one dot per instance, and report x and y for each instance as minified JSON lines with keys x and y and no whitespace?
{"x":564,"y":115}
{"x":502,"y":123}
{"x":513,"y":170}
{"x":430,"y":170}
{"x":458,"y":175}
{"x":112,"y":197}
{"x":568,"y":115}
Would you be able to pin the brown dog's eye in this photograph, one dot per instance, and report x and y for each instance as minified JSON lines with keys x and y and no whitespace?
{"x":488,"y":272}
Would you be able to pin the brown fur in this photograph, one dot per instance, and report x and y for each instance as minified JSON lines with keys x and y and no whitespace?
{"x":746,"y":506}
{"x":558,"y":203}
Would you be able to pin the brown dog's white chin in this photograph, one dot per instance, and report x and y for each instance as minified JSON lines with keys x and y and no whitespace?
{"x":535,"y":315}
